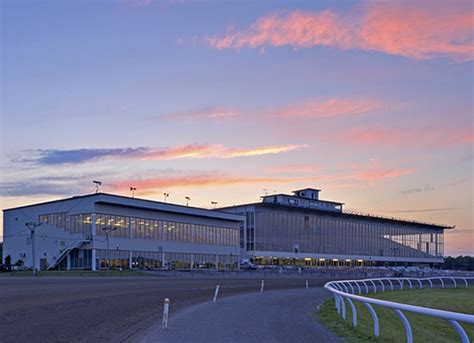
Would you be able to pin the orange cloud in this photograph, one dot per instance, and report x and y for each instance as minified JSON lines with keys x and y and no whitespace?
{"x":331,"y":107}
{"x":199,"y":180}
{"x":377,"y":174}
{"x":408,"y":29}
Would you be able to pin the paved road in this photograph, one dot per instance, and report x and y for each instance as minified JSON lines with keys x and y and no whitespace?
{"x":105,"y":309}
{"x":275,"y":316}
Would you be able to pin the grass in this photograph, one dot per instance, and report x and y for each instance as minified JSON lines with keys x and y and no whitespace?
{"x":75,"y":273}
{"x":425,"y":329}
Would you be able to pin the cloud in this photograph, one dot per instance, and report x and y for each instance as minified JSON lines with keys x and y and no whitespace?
{"x":426,"y":188}
{"x":409,"y":29}
{"x":210,"y":112}
{"x":426,"y":210}
{"x":149,"y":185}
{"x":327,"y":108}
{"x":57,"y":157}
{"x":435,"y":137}
{"x":330,"y":107}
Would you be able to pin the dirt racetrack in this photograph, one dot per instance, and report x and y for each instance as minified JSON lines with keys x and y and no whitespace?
{"x":106,"y":309}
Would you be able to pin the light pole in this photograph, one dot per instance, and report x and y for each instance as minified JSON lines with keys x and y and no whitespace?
{"x":32,"y":226}
{"x":166,"y":195}
{"x":214,"y":203}
{"x":187,"y":200}
{"x":133,"y":189}
{"x":107,"y":231}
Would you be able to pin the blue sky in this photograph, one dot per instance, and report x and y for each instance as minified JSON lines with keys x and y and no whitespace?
{"x":370,"y":101}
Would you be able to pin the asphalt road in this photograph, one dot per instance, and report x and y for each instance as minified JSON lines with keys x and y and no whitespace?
{"x":106,"y":309}
{"x":284,"y":316}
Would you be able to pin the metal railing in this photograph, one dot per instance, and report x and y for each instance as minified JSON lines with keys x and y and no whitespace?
{"x":345,"y":291}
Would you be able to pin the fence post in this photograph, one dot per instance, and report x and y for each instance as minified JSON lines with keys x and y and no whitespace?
{"x":166,"y":308}
{"x":216,"y":293}
{"x":454,"y":281}
{"x":391,"y":284}
{"x":354,"y":312}
{"x":374,"y":318}
{"x":406,"y":324}
{"x":261,"y":286}
{"x":307,"y":286}
{"x":459,"y":329}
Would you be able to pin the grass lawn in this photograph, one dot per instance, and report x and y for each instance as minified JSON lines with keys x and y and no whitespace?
{"x":425,"y":329}
{"x":76,"y":273}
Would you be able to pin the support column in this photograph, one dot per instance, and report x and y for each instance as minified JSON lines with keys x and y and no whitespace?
{"x":192,"y":262}
{"x":217,"y":262}
{"x":130,"y":261}
{"x":93,"y":232}
{"x":68,"y":261}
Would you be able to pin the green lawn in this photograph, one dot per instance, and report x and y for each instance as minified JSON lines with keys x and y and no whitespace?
{"x":425,"y":329}
{"x":76,"y":273}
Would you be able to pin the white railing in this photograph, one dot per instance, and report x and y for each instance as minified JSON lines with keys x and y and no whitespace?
{"x":346,"y":290}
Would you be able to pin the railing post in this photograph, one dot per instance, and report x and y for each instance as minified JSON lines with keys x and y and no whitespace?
{"x":373,"y":284}
{"x":460,"y":331}
{"x":358,"y":287}
{"x":354,"y":312}
{"x":345,"y":287}
{"x":421,"y":284}
{"x":442,"y":282}
{"x":431,"y":283}
{"x":383,"y":287}
{"x":366,"y":287}
{"x":391,"y":284}
{"x":262,"y":285}
{"x":406,"y":324}
{"x":454,"y":282}
{"x":352,"y":288}
{"x":374,"y":318}
{"x":343,"y":308}
{"x":400,"y":281}
{"x":465,"y":281}
{"x":409,"y":282}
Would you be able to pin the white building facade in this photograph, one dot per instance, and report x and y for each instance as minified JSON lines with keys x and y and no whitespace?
{"x":101,"y":230}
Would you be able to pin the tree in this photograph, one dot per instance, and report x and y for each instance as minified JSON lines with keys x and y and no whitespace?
{"x":459,"y":263}
{"x":8,"y":260}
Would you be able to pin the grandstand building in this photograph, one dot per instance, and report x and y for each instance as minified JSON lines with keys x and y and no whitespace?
{"x":100,"y":230}
{"x":300,"y":229}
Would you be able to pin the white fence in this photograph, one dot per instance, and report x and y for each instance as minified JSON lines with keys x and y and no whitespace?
{"x":346,"y":291}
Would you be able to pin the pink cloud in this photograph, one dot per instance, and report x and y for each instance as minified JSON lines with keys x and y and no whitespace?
{"x":331,"y":107}
{"x":198,"y":180}
{"x":211,"y":112}
{"x":434,"y":137}
{"x":409,"y":29}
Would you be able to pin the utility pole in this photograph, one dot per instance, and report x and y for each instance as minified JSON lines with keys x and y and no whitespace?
{"x":107,"y":231}
{"x":32,"y":227}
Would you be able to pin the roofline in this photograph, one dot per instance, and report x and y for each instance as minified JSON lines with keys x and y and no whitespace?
{"x":347,"y":214}
{"x":168,"y":207}
{"x":304,"y":189}
{"x":294,"y":196}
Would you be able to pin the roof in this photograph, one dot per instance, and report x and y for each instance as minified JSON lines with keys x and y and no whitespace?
{"x":296,"y":197}
{"x":360,"y":216}
{"x":307,"y":189}
{"x":129,"y":202}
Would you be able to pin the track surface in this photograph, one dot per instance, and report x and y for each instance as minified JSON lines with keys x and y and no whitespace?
{"x":283,"y":316}
{"x":106,"y":309}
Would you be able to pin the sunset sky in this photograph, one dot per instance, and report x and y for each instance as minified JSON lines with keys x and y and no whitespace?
{"x":370,"y":101}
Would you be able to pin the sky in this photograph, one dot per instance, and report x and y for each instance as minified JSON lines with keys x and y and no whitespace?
{"x":370,"y":101}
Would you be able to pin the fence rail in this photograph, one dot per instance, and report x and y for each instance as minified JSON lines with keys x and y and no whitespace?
{"x":351,"y":290}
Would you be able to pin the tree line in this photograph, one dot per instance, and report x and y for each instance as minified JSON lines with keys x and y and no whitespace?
{"x":459,"y":263}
